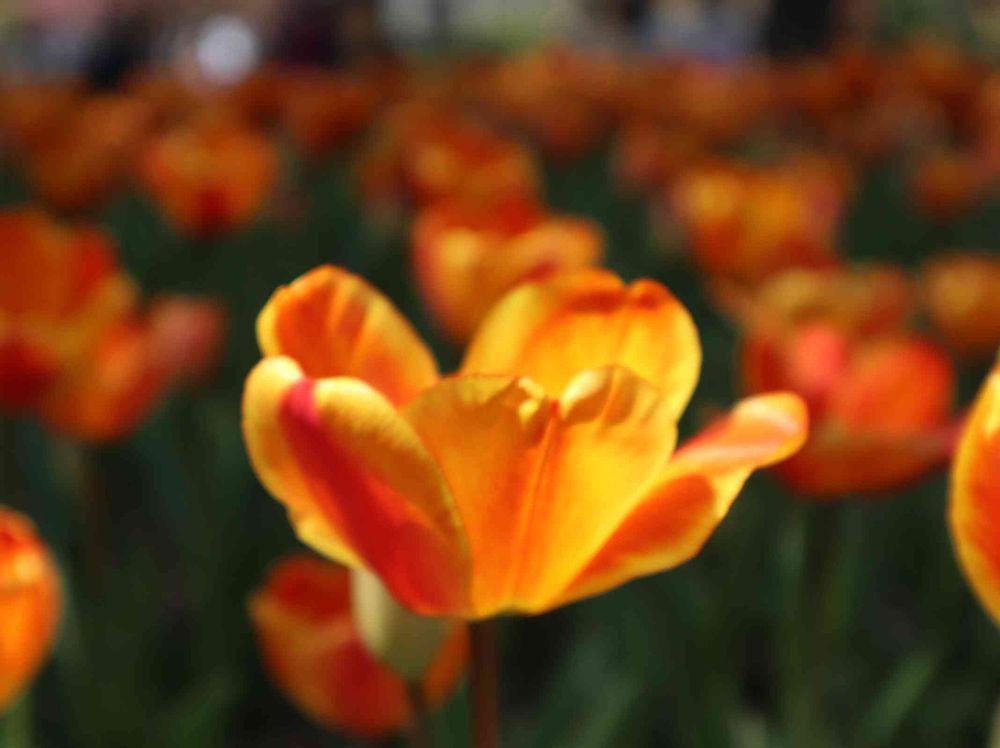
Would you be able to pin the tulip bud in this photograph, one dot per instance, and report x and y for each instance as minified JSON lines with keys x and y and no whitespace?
{"x":406,"y":642}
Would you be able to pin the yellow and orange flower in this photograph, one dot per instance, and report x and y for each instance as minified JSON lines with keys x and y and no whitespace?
{"x":542,"y":473}
{"x":974,"y":506}
{"x":962,"y":295}
{"x":30,"y":602}
{"x":315,"y":654}
{"x":879,"y":398}
{"x":210,"y":176}
{"x":75,"y":348}
{"x":466,"y":255}
{"x":745,"y":223}
{"x":426,"y":155}
{"x":60,"y":290}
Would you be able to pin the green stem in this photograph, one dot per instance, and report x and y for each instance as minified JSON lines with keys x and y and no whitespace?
{"x":15,"y":725}
{"x":483,"y":673}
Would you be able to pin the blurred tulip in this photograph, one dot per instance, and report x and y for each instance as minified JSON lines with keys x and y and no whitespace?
{"x":974,"y":506}
{"x":30,"y":602}
{"x":466,"y":255}
{"x":648,"y":157}
{"x":544,"y":472}
{"x":210,"y":176}
{"x":745,"y":223}
{"x":59,"y":291}
{"x":425,"y":155}
{"x":91,"y":153}
{"x":31,"y":113}
{"x":132,"y":366}
{"x":947,"y":183}
{"x":879,"y":398}
{"x":75,"y":348}
{"x":314,"y":652}
{"x":543,"y":93}
{"x":962,"y":295}
{"x":323,"y":111}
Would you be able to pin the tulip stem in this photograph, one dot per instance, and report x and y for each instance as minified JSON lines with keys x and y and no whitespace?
{"x":483,"y":674}
{"x":420,"y":727}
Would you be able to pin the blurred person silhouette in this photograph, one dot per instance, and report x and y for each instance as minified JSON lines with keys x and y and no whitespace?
{"x":328,"y":32}
{"x":122,"y":44}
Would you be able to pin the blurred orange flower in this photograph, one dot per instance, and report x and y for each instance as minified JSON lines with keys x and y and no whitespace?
{"x":210,"y":176}
{"x":545,"y":94}
{"x":880,"y":399}
{"x":30,"y":602}
{"x":91,"y":153}
{"x":425,"y":155}
{"x":746,"y":223}
{"x":974,"y":507}
{"x":60,"y":290}
{"x":315,"y":654}
{"x":32,"y":112}
{"x":544,"y":472}
{"x":323,"y":110}
{"x":649,"y":156}
{"x":466,"y":255}
{"x":962,"y":295}
{"x":75,"y":347}
{"x":947,"y":182}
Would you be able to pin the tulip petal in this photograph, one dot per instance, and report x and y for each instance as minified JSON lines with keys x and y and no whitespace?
{"x":895,"y":387}
{"x":30,"y":604}
{"x":974,"y":510}
{"x":334,"y":324}
{"x":692,"y":496}
{"x":551,"y":330}
{"x":357,"y":482}
{"x":303,"y":620}
{"x":541,"y":483}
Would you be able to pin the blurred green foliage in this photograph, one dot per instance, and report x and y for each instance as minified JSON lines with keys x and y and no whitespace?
{"x":798,"y":626}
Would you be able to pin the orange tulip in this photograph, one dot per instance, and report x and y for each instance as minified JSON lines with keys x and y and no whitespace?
{"x":974,"y":507}
{"x":78,"y":166}
{"x":649,"y":157}
{"x":315,"y":654}
{"x":29,"y":605}
{"x":426,"y":155}
{"x":323,"y":111}
{"x":545,"y":95}
{"x":542,"y":473}
{"x":947,"y":183}
{"x":467,"y":255}
{"x":75,"y":348}
{"x":211,"y":176}
{"x":746,"y":223}
{"x":30,"y":113}
{"x":59,"y":291}
{"x":962,"y":295}
{"x":879,"y":398}
{"x":131,"y":367}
